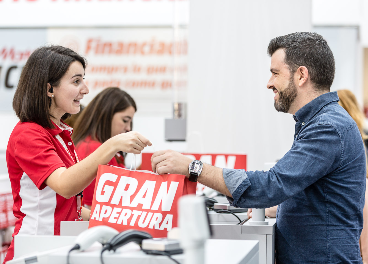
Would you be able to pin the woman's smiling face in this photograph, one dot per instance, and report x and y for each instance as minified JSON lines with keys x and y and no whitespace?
{"x":67,"y":95}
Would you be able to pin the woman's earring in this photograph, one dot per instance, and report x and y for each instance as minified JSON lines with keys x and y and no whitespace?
{"x":52,"y":95}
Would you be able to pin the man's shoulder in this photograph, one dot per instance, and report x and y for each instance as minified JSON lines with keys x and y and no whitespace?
{"x":333,"y":114}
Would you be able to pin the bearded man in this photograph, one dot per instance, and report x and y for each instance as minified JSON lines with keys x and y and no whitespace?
{"x":319,"y":184}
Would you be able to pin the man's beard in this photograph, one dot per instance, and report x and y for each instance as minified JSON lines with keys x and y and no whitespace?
{"x":286,"y":97}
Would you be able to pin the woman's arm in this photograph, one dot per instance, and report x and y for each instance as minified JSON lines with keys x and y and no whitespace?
{"x":71,"y":181}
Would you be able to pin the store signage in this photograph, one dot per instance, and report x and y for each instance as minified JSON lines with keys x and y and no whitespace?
{"x":229,"y":161}
{"x":15,"y":59}
{"x":15,"y":48}
{"x":138,"y":60}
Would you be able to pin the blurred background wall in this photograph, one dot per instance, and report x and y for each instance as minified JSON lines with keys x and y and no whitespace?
{"x":209,"y":54}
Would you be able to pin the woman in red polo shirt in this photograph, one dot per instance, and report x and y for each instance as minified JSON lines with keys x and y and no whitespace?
{"x":45,"y":173}
{"x":110,"y":113}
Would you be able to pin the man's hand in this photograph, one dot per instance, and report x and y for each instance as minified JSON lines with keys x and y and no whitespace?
{"x":169,"y":161}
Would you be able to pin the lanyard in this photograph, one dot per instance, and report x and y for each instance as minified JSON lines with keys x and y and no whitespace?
{"x":66,"y":148}
{"x":79,"y":195}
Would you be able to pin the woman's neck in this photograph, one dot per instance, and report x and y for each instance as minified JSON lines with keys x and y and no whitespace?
{"x":55,"y":120}
{"x":55,"y":115}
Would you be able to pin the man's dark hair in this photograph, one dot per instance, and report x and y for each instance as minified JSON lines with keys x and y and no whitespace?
{"x":45,"y":65}
{"x":309,"y":50}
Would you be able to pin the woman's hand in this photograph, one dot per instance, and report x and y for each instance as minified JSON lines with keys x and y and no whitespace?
{"x":130,"y":142}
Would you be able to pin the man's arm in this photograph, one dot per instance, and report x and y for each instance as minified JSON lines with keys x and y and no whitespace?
{"x":364,"y":235}
{"x":168,"y":161}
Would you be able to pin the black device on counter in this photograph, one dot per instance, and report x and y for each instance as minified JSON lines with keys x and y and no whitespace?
{"x":124,"y":238}
{"x":210,"y":202}
{"x":161,"y":246}
{"x":229,"y":208}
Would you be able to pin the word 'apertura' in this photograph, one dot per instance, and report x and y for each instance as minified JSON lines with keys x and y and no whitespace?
{"x":144,"y":199}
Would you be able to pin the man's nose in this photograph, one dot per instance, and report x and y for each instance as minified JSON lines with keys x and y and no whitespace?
{"x":270,"y":83}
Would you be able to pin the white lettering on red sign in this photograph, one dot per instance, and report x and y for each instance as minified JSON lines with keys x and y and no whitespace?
{"x":144,"y":196}
{"x":220,"y":160}
{"x":130,"y":217}
{"x":123,"y":192}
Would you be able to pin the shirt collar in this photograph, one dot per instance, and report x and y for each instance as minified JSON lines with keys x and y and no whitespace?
{"x":308,"y":111}
{"x":58,"y":129}
{"x":64,"y":126}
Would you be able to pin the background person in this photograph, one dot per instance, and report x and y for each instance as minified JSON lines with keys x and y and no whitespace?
{"x":350,"y":104}
{"x":110,"y":113}
{"x":319,"y":184}
{"x":42,"y":164}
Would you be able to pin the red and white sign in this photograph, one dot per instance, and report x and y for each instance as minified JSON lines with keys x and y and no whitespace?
{"x":138,"y":200}
{"x":138,"y":60}
{"x":16,"y":46}
{"x":229,"y":161}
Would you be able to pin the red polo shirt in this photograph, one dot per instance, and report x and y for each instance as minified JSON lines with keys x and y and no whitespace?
{"x":84,"y":148}
{"x":33,"y":153}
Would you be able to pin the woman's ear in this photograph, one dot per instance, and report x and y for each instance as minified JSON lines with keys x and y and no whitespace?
{"x":50,"y":90}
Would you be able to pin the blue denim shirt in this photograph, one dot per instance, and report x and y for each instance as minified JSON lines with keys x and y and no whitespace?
{"x":319,"y":186}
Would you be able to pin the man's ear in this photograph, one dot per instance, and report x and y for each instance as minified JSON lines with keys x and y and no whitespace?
{"x":302,"y":75}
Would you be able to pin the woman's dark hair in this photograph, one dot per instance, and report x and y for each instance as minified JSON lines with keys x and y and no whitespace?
{"x":45,"y":65}
{"x":96,"y":118}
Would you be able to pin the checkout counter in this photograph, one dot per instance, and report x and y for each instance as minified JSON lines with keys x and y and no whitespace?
{"x":226,"y":226}
{"x":265,"y":234}
{"x":231,"y":242}
{"x":54,"y":249}
{"x":194,"y":240}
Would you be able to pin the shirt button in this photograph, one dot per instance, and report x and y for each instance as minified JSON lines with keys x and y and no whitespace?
{"x":303,"y":124}
{"x":69,"y":143}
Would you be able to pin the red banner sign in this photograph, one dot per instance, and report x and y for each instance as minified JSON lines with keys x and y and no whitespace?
{"x":126,"y":199}
{"x":229,"y":161}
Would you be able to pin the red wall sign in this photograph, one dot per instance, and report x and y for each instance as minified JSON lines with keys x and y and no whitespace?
{"x":229,"y":161}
